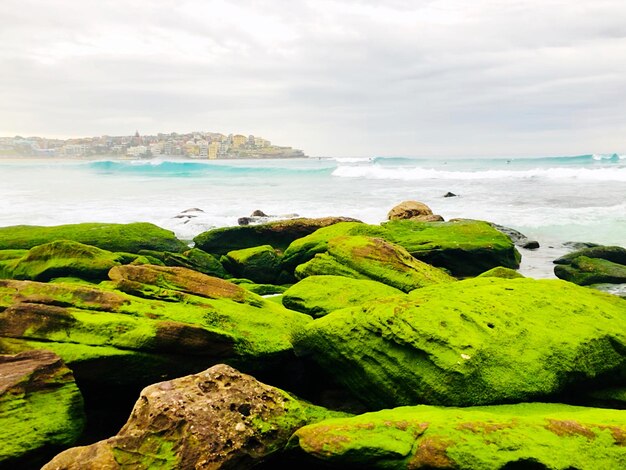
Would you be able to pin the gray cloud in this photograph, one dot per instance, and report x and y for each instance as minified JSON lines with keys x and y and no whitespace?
{"x":332,"y":77}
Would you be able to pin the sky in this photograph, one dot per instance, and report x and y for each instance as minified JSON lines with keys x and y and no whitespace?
{"x":333,"y":78}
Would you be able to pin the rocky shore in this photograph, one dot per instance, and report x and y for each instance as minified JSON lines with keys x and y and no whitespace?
{"x":308,"y":343}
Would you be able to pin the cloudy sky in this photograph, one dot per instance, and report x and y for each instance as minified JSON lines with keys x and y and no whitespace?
{"x":351,"y":78}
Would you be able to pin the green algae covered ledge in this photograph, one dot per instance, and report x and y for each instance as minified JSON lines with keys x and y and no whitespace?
{"x":524,"y":436}
{"x":473,"y":342}
{"x":113,"y":237}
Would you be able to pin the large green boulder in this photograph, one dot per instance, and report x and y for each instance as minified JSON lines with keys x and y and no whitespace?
{"x":260,"y":264}
{"x":320,"y":295}
{"x":219,"y":418}
{"x":375,"y":259}
{"x":174,"y":321}
{"x":586,"y":271}
{"x":41,"y":408}
{"x":61,"y":258}
{"x":129,"y":238}
{"x":278,"y":234}
{"x":523,"y":436}
{"x":473,"y":342}
{"x":464,"y":247}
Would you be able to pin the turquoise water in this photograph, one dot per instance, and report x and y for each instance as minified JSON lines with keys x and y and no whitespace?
{"x":551,"y":199}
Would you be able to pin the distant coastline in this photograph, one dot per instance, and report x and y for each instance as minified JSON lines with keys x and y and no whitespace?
{"x":193,"y":145}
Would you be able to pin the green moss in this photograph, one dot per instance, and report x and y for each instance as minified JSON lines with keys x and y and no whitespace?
{"x":504,"y":273}
{"x":304,"y":249}
{"x":361,"y":257}
{"x":62,"y":258}
{"x":324,"y":264}
{"x":550,"y":435}
{"x":153,"y":451}
{"x":465,"y":247}
{"x":479,"y":341}
{"x":31,"y":420}
{"x":113,"y":237}
{"x":260,"y":264}
{"x":11,"y":254}
{"x":320,"y":295}
{"x":243,"y":328}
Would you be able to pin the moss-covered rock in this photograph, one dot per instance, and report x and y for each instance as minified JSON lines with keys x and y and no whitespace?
{"x":41,"y":408}
{"x":219,"y":418}
{"x":260,"y":289}
{"x":277,"y":234}
{"x":109,"y":337}
{"x":129,"y":238}
{"x":586,"y":271}
{"x":304,"y":249}
{"x":615,"y":254}
{"x":320,"y":295}
{"x":464,"y":247}
{"x":61,"y":258}
{"x":504,"y":273}
{"x":375,"y":259}
{"x":194,"y":259}
{"x":260,"y":264}
{"x":533,"y":435}
{"x":473,"y":342}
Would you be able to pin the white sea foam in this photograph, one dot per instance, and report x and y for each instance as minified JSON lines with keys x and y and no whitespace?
{"x":419,"y":173}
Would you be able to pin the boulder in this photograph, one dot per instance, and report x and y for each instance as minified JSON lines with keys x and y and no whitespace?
{"x":474,"y":342}
{"x":260,"y":264}
{"x":320,"y":295}
{"x":586,"y":271}
{"x":464,"y":247}
{"x":129,"y":238}
{"x":375,"y":259}
{"x":614,"y":254}
{"x":219,"y":418}
{"x":41,"y":408}
{"x":523,"y":436}
{"x":61,"y":259}
{"x":277,"y":234}
{"x":516,"y":237}
{"x":413,"y":210}
{"x":185,"y":322}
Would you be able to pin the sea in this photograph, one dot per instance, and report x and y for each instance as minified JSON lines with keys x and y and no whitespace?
{"x":554,"y":199}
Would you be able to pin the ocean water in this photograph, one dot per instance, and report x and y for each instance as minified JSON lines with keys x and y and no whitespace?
{"x":551,"y":199}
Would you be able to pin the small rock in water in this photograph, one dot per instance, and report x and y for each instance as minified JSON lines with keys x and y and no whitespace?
{"x":189,"y":213}
{"x":449,"y":194}
{"x":579,"y":245}
{"x":516,"y":237}
{"x":259,"y":213}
